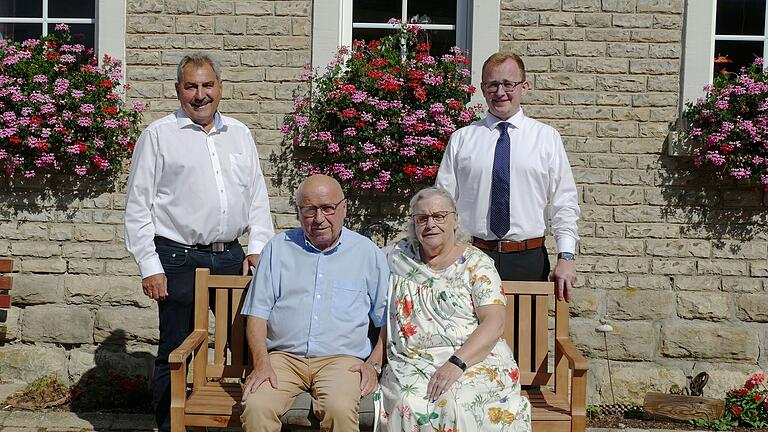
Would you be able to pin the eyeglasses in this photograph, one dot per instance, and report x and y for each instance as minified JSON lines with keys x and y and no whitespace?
{"x":508,"y":86}
{"x":326,"y":209}
{"x":439,"y":217}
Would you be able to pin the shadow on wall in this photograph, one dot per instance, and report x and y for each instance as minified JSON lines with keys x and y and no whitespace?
{"x":724,"y":211}
{"x":26,"y":199}
{"x":118,"y":382}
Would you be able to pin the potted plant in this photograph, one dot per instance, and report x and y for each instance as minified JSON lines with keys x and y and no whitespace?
{"x":60,"y":111}
{"x":728,"y":127}
{"x":379,"y":118}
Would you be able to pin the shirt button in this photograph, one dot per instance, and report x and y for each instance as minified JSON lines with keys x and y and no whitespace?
{"x":318,"y":296}
{"x":315,"y":316}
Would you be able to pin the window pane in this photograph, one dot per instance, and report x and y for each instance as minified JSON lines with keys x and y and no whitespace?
{"x":369,"y":34}
{"x":740,"y":17}
{"x":81,"y":33}
{"x":432,"y":11}
{"x":376,"y":11}
{"x":72,"y":8}
{"x":21,"y":8}
{"x":733,"y":55}
{"x":20,"y":32}
{"x":441,"y":41}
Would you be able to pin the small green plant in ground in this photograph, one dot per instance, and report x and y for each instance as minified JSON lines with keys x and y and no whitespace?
{"x":594,"y":411}
{"x":721,"y":424}
{"x":44,"y":390}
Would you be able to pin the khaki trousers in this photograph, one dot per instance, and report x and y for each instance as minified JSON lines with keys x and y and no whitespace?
{"x":335,"y":393}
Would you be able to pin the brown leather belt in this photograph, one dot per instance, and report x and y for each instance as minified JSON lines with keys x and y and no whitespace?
{"x":507,"y":246}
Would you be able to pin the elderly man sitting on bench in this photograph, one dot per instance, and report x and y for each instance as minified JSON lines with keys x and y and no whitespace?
{"x":308,"y":308}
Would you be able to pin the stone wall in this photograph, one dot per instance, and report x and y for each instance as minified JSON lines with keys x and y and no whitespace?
{"x":675,"y":263}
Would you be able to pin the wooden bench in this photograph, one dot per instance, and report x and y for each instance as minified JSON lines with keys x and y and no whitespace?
{"x":6,"y":282}
{"x":214,"y":400}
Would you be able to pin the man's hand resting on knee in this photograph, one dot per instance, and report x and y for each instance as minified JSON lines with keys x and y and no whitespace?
{"x":257,"y":377}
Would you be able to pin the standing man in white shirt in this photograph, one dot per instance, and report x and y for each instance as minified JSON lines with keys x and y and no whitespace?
{"x":195,"y":186}
{"x":502,"y":171}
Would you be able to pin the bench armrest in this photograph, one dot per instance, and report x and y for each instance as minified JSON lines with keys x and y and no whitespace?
{"x":576,"y":361}
{"x":192,"y":342}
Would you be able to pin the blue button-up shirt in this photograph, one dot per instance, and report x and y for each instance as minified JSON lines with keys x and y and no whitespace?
{"x":318,"y":303}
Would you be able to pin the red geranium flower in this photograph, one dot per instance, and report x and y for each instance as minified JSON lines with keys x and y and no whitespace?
{"x":737,"y":410}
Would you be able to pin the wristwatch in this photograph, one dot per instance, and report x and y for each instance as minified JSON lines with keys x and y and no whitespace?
{"x":458,"y":362}
{"x":376,"y":366}
{"x":566,"y":256}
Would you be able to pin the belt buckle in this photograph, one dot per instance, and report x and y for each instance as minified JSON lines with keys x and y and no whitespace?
{"x":500,"y":246}
{"x":217,"y":246}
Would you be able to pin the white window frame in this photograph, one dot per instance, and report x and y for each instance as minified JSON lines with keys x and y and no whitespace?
{"x":479,"y":31}
{"x":109,"y":26}
{"x":699,"y":53}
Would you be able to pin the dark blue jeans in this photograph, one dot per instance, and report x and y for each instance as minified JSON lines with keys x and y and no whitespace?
{"x":177,"y":310}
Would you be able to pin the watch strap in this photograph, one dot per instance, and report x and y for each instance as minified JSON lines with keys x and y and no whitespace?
{"x":458,"y":362}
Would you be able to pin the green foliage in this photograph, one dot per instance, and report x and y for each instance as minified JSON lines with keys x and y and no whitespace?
{"x":721,"y":424}
{"x":44,"y":390}
{"x":594,"y":411}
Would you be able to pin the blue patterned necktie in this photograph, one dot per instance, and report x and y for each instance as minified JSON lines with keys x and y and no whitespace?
{"x":499,"y":217}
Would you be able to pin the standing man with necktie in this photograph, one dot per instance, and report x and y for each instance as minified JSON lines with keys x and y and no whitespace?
{"x":503,"y":171}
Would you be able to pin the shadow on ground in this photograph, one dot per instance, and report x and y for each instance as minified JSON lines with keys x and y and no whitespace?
{"x":119,"y":383}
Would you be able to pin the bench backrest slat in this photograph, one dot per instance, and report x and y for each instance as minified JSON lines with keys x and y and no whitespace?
{"x":527,"y":329}
{"x":230,"y":355}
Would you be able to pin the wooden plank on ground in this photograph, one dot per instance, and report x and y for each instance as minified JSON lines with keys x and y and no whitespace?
{"x":682,"y":407}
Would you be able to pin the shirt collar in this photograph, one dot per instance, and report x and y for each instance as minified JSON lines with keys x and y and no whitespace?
{"x":300,"y":238}
{"x":492,"y":122}
{"x":183,"y":120}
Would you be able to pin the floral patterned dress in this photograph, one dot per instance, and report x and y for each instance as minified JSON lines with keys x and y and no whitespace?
{"x":431,"y":314}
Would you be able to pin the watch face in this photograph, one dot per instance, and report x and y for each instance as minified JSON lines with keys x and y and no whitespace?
{"x":566,"y":256}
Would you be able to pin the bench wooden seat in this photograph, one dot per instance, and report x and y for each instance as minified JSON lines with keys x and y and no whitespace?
{"x":558,"y":404}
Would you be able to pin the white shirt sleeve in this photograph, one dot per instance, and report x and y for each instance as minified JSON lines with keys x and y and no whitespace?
{"x":446,"y":174}
{"x":260,"y":227}
{"x":564,"y":199}
{"x":142,"y":187}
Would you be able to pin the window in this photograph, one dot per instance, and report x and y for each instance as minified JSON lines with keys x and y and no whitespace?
{"x":437,"y":17}
{"x":739,"y":33}
{"x":25,"y":19}
{"x":468,"y":24}
{"x":721,"y":35}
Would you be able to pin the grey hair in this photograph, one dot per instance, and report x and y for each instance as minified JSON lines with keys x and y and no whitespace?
{"x":462,"y":235}
{"x":197,"y":59}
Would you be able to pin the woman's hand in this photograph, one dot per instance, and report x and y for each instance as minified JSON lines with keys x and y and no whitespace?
{"x":442,"y":380}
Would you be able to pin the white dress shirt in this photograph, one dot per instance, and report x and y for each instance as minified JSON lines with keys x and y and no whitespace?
{"x":539,"y":172}
{"x":194,"y":187}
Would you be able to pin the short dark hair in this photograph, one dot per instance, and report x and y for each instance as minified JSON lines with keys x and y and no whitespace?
{"x":500,"y":57}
